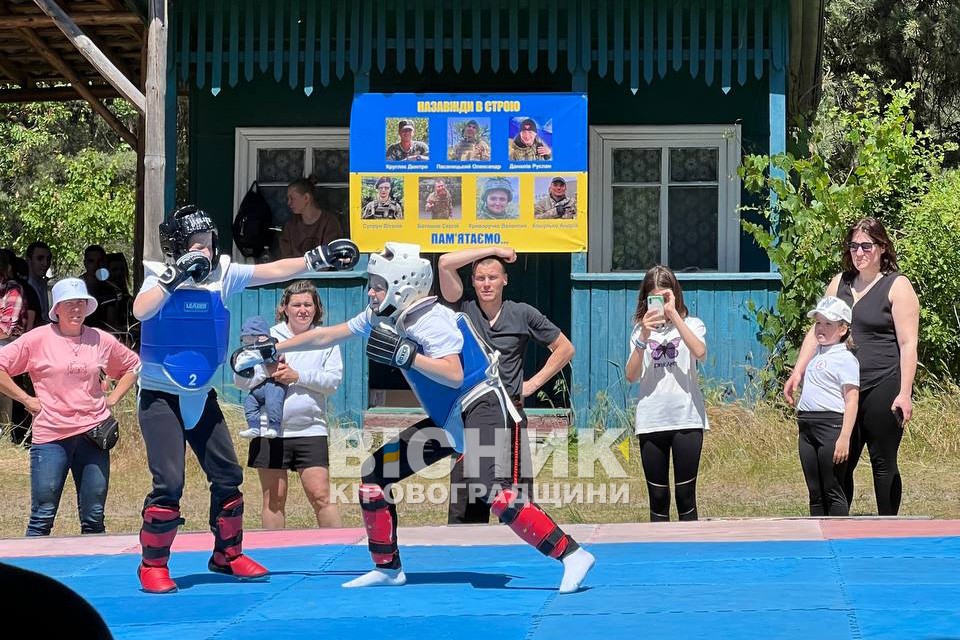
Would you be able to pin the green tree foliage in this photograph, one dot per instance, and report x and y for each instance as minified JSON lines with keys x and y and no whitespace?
{"x":66,"y":179}
{"x":878,"y":165}
{"x":929,"y":253}
{"x":904,"y":42}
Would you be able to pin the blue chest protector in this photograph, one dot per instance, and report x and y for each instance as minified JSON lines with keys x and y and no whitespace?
{"x":188,"y":337}
{"x":444,"y":404}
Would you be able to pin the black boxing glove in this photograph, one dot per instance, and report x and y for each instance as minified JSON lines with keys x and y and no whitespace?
{"x":193,"y":264}
{"x":387,"y":347}
{"x":340,"y":254}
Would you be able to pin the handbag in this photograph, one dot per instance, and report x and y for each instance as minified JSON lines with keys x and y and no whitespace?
{"x":106,"y":434}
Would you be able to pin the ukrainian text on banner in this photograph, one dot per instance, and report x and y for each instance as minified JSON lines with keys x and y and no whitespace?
{"x":459,"y":171}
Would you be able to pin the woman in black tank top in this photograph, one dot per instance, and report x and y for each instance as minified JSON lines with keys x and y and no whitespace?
{"x":886,"y":316}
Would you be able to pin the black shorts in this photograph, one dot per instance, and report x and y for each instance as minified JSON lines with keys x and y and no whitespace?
{"x":295,"y":454}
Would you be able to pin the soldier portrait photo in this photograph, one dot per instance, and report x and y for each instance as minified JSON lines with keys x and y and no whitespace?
{"x":497,"y":198}
{"x":530,"y":141}
{"x":382,"y":199}
{"x":468,"y":139}
{"x":555,"y":198}
{"x":440,"y":198}
{"x":407,"y":139}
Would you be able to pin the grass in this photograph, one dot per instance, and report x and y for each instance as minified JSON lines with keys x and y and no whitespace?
{"x":749,"y":468}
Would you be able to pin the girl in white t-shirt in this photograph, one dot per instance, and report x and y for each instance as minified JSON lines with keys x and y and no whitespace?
{"x":828,"y":408}
{"x":665,"y":347}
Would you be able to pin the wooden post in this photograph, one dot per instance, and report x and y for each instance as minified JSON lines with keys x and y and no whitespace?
{"x":90,"y":51}
{"x":154,"y":159}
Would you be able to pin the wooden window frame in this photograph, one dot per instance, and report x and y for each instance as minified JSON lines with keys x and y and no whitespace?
{"x":604,"y":139}
{"x":249,"y":140}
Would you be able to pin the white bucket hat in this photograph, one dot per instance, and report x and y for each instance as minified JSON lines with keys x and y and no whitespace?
{"x":833,"y":309}
{"x":71,"y":289}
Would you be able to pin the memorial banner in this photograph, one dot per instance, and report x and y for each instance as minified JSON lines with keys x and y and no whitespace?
{"x":451,"y":171}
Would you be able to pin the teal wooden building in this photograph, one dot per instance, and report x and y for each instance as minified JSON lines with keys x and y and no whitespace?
{"x":677,"y":93}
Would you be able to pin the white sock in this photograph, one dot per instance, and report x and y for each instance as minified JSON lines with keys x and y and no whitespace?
{"x":575,"y":568}
{"x":249,"y":434}
{"x":379,"y":578}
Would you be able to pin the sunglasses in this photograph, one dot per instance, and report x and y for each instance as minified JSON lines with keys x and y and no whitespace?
{"x":866,"y":246}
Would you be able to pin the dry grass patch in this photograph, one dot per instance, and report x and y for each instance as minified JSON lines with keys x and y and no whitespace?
{"x":749,"y":468}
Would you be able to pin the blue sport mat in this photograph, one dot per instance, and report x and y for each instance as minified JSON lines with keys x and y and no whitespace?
{"x":905,"y":588}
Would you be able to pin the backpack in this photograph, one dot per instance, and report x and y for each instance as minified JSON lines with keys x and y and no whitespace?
{"x":251,"y":227}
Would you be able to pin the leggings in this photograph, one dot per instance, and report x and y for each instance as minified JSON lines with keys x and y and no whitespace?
{"x":655,"y":455}
{"x":878,"y":428}
{"x":819,"y":431}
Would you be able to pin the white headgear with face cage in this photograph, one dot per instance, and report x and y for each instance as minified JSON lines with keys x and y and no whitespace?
{"x":409,"y":277}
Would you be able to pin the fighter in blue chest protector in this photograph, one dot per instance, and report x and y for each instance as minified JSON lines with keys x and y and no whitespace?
{"x":184,"y":341}
{"x":455,"y":378}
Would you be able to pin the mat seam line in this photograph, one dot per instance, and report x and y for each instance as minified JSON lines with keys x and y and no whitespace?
{"x":852,"y":621}
{"x":242,"y":617}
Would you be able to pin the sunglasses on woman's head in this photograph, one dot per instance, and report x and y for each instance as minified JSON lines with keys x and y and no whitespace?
{"x":866,"y":246}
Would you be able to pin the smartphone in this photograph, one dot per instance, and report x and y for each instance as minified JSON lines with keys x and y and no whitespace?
{"x":898,"y":416}
{"x":655,"y":303}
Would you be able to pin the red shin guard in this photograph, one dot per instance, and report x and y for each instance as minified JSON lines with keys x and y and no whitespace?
{"x":156,"y":536}
{"x":531,"y":523}
{"x":228,"y":557}
{"x":378,"y":522}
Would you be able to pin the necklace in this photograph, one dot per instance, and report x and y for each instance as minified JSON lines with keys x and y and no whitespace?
{"x":75,"y":346}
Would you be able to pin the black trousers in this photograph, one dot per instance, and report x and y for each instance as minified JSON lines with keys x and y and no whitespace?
{"x":466,"y":504}
{"x":819,"y":431}
{"x":166,"y":439}
{"x":424,"y":443}
{"x":655,"y":450}
{"x":878,"y":428}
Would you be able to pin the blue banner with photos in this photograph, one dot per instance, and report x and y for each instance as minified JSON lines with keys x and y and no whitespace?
{"x":450,"y":171}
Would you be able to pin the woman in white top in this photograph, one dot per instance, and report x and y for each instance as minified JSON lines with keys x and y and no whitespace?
{"x":310,"y":376}
{"x":828,"y":408}
{"x":665,"y":347}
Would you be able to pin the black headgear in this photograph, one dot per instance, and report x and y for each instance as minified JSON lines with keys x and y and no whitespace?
{"x":182,"y":223}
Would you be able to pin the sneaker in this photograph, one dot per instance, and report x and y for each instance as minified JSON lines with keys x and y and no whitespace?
{"x":250,"y":434}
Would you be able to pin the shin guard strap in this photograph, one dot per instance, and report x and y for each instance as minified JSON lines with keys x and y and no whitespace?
{"x":531,"y":524}
{"x":228,"y":532}
{"x":157,"y":534}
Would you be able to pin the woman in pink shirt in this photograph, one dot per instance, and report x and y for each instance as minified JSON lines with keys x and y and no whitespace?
{"x":64,"y":361}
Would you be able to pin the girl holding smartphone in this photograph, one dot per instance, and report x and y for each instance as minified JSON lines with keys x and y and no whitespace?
{"x":665,"y":346}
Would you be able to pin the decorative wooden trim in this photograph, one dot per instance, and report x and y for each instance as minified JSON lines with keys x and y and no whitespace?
{"x":73,"y":78}
{"x":730,"y":41}
{"x":684,"y":276}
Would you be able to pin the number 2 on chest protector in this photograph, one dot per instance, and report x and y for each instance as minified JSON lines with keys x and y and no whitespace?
{"x":193,"y":380}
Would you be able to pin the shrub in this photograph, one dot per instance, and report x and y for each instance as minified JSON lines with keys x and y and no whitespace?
{"x":929,"y":254}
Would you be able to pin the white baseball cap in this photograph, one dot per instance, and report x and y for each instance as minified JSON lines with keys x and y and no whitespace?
{"x":71,"y":289}
{"x":833,"y":309}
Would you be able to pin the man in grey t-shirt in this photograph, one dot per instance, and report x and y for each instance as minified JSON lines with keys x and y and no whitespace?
{"x":507,"y":326}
